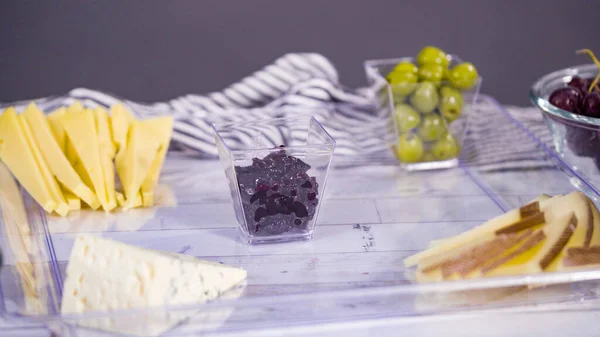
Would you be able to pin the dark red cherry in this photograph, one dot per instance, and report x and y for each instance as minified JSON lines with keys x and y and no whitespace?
{"x":591,"y":105}
{"x":567,"y":98}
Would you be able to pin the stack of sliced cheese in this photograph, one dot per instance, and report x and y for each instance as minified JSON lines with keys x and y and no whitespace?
{"x":70,"y":156}
{"x":548,"y":234}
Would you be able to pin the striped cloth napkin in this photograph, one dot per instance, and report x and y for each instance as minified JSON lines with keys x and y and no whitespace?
{"x":308,"y":83}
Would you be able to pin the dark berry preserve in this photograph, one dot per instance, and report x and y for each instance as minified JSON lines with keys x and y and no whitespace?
{"x":278,"y":196}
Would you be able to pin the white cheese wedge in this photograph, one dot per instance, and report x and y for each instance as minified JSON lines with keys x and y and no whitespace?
{"x":56,"y":160}
{"x":105,"y":275}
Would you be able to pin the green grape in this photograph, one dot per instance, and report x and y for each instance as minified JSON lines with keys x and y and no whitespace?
{"x":425,"y":98}
{"x":403,"y":84}
{"x":428,"y":156}
{"x":431,"y":73}
{"x":397,"y":97}
{"x":446,"y":148}
{"x":432,"y":128}
{"x":405,"y":67}
{"x":410,"y":148}
{"x":407,"y":118}
{"x":451,"y":103}
{"x":463,"y":76}
{"x":432,"y":55}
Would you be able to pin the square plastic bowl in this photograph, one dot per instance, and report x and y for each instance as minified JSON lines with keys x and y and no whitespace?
{"x":277,"y":170}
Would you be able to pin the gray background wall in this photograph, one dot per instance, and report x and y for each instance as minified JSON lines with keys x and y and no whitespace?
{"x":155,"y":50}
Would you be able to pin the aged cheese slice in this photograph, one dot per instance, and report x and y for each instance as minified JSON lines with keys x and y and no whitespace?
{"x":56,"y":160}
{"x":577,"y":203}
{"x":438,"y":253}
{"x":16,"y":153}
{"x":595,"y":240}
{"x":107,"y":153}
{"x":163,"y":127}
{"x":134,"y":163}
{"x":557,"y":234}
{"x":467,"y":263}
{"x":105,"y":275}
{"x":81,"y":132}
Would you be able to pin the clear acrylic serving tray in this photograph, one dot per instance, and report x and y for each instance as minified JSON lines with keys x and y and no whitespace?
{"x":374,"y":215}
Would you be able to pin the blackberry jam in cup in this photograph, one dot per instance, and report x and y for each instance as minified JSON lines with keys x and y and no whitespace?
{"x":277,"y":169}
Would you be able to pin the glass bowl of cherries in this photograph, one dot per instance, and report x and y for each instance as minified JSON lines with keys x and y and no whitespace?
{"x":570,"y":102}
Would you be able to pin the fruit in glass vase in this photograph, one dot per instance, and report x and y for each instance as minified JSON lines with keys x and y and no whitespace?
{"x":406,"y":67}
{"x":432,"y":55}
{"x":582,"y":142}
{"x":425,"y":98}
{"x":591,"y":105}
{"x":409,"y":148}
{"x":463,"y":76}
{"x":407,"y":118}
{"x":432,"y":128}
{"x":446,"y":148}
{"x":451,"y":103}
{"x":402,"y":83}
{"x":567,"y":98}
{"x":431,"y":73}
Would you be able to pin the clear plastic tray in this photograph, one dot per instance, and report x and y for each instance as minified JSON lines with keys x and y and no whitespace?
{"x":374,"y":215}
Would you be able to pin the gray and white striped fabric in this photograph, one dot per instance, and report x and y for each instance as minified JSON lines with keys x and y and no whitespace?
{"x":308,"y":83}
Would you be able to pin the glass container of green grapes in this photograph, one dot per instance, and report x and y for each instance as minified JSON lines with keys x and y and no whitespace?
{"x":428,"y":100}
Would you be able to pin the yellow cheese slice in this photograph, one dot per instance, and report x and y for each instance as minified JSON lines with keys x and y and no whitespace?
{"x":121,"y":119}
{"x":57,"y":128}
{"x":13,"y":207}
{"x":136,"y":203}
{"x":107,"y":153}
{"x":16,"y":153}
{"x":81,"y":132}
{"x":61,"y":205}
{"x":56,"y":120}
{"x":18,"y":233}
{"x":104,"y":131}
{"x":57,"y":161}
{"x":72,"y":200}
{"x":163,"y":127}
{"x":134,"y":163}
